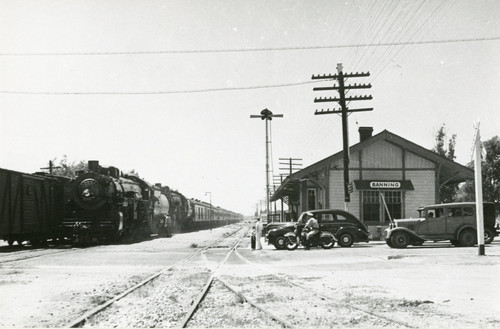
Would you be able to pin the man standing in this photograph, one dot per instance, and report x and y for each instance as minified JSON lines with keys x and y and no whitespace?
{"x":258,"y":234}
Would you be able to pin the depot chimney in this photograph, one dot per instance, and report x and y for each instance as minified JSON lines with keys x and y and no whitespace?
{"x":365,"y":133}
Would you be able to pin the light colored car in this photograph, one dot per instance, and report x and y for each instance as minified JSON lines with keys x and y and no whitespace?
{"x":455,"y":222}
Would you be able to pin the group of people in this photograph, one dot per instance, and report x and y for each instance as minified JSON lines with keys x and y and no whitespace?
{"x":306,"y":222}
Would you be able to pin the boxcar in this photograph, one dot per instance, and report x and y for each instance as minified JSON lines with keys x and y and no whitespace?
{"x":31,"y":206}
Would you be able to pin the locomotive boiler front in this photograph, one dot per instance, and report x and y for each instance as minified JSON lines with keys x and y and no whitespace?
{"x":103,"y":205}
{"x":92,"y":190}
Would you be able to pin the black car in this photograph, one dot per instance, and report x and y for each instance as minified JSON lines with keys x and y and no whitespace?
{"x":344,"y":225}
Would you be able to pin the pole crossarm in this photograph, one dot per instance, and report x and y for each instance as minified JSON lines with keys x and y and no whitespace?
{"x":339,"y":111}
{"x":336,"y":76}
{"x":346,"y":99}
{"x":354,"y":86}
{"x":342,"y":100}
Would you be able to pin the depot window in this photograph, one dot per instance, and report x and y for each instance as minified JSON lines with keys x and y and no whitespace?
{"x":373,"y":205}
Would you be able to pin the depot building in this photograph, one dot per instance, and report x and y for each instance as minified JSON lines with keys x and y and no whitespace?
{"x":383,"y":167}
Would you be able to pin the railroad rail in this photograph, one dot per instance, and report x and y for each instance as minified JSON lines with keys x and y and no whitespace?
{"x":331,"y":300}
{"x":21,"y":255}
{"x":209,"y":285}
{"x":82,"y":320}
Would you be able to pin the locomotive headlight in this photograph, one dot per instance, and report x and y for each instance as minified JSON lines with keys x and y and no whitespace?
{"x":89,"y":189}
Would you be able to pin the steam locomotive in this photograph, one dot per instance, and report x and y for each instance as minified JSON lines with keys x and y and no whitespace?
{"x":103,"y":205}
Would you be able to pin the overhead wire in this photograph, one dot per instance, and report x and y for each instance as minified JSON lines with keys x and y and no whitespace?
{"x":400,"y":37}
{"x":376,"y":22}
{"x":436,"y":12}
{"x":404,"y":16}
{"x":159,"y":92}
{"x":298,"y":48}
{"x":380,"y":20}
{"x":245,"y":87}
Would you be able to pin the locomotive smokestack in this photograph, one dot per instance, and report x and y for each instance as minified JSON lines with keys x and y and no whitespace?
{"x":94,"y":166}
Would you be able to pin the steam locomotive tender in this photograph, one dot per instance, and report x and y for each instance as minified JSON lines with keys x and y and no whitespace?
{"x":105,"y":206}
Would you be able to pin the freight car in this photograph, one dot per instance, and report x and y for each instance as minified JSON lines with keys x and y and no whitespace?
{"x":31,"y":207}
{"x":105,"y":206}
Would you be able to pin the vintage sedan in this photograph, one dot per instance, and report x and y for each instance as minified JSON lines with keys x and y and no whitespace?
{"x":455,"y":222}
{"x":346,"y":228}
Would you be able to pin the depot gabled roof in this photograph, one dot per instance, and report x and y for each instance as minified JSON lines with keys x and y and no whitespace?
{"x":449,"y":171}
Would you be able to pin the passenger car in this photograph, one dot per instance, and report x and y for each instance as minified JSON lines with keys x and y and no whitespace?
{"x":448,"y":221}
{"x":346,"y":228}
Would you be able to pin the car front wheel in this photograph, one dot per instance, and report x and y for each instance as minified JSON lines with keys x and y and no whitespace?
{"x":279,"y":242}
{"x":399,"y":240}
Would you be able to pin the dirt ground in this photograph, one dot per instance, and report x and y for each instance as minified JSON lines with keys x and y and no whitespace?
{"x":433,"y":286}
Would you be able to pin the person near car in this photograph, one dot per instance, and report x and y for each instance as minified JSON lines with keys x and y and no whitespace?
{"x":258,"y":234}
{"x":312,"y":225}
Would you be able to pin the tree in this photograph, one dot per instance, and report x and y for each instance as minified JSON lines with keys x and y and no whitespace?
{"x":490,"y":169}
{"x":448,"y":192}
{"x":67,"y":169}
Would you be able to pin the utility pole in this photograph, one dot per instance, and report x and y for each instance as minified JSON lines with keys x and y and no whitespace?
{"x":344,"y":110}
{"x":267,"y":115}
{"x":291,"y":163}
{"x":50,"y":167}
{"x":278,"y":180}
{"x":292,"y":166}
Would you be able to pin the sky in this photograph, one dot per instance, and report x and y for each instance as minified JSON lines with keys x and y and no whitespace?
{"x":167,"y":87}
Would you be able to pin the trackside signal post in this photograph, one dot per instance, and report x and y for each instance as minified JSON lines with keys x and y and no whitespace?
{"x":344,"y":111}
{"x":267,"y":115}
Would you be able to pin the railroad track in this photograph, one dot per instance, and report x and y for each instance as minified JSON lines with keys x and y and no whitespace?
{"x":184,"y":295}
{"x":344,"y":314}
{"x":16,"y":256}
{"x":127,"y":302}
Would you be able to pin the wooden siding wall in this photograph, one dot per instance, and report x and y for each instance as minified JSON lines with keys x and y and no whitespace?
{"x":413,"y":161}
{"x":336,"y":191}
{"x":382,"y":155}
{"x":385,"y":161}
{"x":424,"y":193}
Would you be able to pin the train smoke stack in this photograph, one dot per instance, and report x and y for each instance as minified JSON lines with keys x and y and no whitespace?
{"x":94,"y":166}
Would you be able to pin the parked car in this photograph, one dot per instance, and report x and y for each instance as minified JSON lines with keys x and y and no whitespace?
{"x":346,"y":228}
{"x":448,"y":221}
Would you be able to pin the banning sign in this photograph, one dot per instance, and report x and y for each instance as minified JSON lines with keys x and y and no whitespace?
{"x":392,"y":185}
